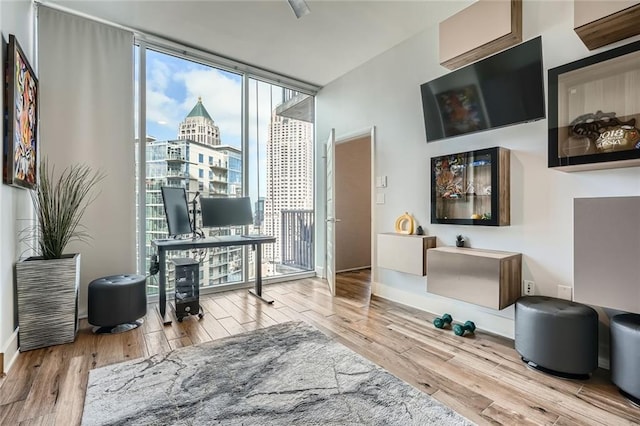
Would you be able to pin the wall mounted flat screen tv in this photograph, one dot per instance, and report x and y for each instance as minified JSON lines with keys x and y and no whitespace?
{"x":217,"y":212}
{"x":503,"y":89}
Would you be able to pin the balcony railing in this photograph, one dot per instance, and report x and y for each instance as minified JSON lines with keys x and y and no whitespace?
{"x":175,"y":157}
{"x":177,"y":173}
{"x":297,"y":238}
{"x":218,"y":165}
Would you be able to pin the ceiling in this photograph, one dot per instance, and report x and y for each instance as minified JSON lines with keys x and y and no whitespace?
{"x":336,"y":37}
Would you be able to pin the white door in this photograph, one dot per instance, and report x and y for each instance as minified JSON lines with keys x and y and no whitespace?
{"x":331,"y":213}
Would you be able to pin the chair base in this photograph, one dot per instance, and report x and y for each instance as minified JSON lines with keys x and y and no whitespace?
{"x":120,"y":328}
{"x":559,"y":374}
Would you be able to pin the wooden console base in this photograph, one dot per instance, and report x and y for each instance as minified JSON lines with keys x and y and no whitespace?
{"x":482,"y":277}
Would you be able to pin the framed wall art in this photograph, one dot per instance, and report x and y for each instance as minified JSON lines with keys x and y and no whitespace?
{"x":20,"y":165}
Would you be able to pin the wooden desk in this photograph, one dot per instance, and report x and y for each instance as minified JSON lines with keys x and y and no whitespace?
{"x":165,"y":245}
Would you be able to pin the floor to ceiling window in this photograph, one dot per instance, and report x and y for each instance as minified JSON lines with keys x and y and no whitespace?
{"x":209,"y":134}
{"x":281,"y":175}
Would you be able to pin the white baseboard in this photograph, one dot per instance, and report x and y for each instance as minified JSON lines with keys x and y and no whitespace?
{"x":319,"y":272}
{"x":485,"y":320}
{"x":10,"y":351}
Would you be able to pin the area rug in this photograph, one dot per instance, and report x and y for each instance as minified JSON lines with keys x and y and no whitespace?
{"x":286,"y":374}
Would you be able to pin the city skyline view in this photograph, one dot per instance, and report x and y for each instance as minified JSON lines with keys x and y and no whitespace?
{"x":174,"y":86}
{"x":194,"y":141}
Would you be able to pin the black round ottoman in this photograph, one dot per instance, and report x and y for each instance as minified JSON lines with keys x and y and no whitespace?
{"x":625,"y":355}
{"x":557,"y":336}
{"x":117,"y":302}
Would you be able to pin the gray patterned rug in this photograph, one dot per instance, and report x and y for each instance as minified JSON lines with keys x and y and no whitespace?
{"x":286,"y":374}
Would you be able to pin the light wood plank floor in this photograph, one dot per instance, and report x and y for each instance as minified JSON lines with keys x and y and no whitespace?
{"x":480,"y":377}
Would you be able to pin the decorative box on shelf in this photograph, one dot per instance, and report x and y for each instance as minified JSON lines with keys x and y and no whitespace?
{"x":471,"y":188}
{"x":594,"y":111}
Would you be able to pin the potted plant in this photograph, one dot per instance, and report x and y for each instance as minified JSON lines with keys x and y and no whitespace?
{"x":47,"y":284}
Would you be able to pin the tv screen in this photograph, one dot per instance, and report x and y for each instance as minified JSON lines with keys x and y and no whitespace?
{"x":218,"y":212}
{"x":177,"y":210}
{"x":503,"y":89}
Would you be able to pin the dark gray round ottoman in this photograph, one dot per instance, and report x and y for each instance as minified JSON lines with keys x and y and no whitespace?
{"x":117,"y":302}
{"x":625,"y":355}
{"x":557,"y":336}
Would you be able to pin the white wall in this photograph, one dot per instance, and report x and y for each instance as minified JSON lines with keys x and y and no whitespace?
{"x":16,"y":17}
{"x":385,"y":93}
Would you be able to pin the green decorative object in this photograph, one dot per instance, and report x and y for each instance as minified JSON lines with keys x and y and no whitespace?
{"x":441,"y":322}
{"x":468,"y":326}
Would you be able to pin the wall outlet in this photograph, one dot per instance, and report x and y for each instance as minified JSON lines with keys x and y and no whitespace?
{"x":528,"y":287}
{"x":565,"y":292}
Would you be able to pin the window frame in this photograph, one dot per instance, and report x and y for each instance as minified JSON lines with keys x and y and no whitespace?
{"x":144,"y":42}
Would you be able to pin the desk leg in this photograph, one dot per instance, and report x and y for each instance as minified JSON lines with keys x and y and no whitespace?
{"x":258,"y":288}
{"x":162,"y":287}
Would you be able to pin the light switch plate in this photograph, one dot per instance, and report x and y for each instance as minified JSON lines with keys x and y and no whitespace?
{"x":381,"y":181}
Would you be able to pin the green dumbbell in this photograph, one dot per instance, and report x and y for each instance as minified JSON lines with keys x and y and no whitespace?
{"x":469,"y":326}
{"x":441,"y":322}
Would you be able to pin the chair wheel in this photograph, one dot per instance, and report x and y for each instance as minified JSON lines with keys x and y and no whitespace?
{"x":179,"y":319}
{"x":200,"y":315}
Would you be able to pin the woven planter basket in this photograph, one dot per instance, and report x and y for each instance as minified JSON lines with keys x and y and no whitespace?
{"x":47,"y":301}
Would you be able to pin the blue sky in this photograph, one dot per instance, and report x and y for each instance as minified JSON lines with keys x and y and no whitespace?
{"x":173,"y":88}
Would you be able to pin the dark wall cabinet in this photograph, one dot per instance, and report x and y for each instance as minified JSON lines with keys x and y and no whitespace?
{"x":471,"y":188}
{"x":594,"y":111}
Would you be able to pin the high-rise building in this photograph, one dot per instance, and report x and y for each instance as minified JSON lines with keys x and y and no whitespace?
{"x":198,"y":126}
{"x":197,"y":162}
{"x":289,"y":178}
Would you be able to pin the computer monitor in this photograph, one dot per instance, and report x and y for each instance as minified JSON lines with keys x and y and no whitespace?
{"x":217,"y":212}
{"x":177,"y":210}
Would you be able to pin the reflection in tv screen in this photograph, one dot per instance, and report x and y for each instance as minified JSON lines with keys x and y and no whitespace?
{"x":504,"y":89}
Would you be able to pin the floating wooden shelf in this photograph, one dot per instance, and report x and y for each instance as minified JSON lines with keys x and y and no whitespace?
{"x":404,"y":253}
{"x":605,"y":22}
{"x":483,"y":277}
{"x":482,"y":29}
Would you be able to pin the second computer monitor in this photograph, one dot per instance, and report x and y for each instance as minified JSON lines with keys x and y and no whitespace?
{"x":217,"y":212}
{"x":176,"y":210}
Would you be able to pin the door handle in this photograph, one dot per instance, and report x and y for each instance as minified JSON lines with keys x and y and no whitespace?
{"x":333,"y":220}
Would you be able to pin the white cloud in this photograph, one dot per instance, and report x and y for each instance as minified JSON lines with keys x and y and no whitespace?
{"x":160,"y":106}
{"x":173,"y":90}
{"x":221,"y":96}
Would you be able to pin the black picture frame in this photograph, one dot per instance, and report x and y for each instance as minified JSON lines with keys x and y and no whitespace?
{"x":591,"y":159}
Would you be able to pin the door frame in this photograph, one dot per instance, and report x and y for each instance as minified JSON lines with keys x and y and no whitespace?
{"x":347,"y":137}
